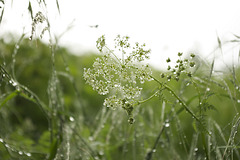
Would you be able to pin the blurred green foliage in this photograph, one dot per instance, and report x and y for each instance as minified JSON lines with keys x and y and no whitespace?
{"x":95,"y":132}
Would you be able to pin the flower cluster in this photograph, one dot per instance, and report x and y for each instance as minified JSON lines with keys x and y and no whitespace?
{"x":180,"y":67}
{"x":119,"y":77}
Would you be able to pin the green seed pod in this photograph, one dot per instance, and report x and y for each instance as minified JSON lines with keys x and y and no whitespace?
{"x":180,"y":54}
{"x":131,"y":120}
{"x":168,"y":60}
{"x":192,"y":64}
{"x":162,"y":75}
{"x":177,"y":78}
{"x":192,"y":55}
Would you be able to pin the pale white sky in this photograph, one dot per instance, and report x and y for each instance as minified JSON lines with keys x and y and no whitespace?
{"x":167,"y":27}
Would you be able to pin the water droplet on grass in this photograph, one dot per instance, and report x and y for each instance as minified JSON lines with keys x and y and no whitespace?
{"x":101,"y":153}
{"x":208,"y":89}
{"x":238,"y":101}
{"x":71,"y":119}
{"x":29,"y":154}
{"x":167,"y":124}
{"x":1,"y":140}
{"x":20,"y":152}
{"x":90,"y":138}
{"x":14,"y":83}
{"x":195,"y":149}
{"x":18,"y":88}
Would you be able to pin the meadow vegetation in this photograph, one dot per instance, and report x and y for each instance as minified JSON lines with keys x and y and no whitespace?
{"x":113,"y":105}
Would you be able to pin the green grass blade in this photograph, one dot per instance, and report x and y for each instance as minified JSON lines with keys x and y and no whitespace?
{"x":9,"y":97}
{"x":230,"y":95}
{"x":1,"y":15}
{"x":231,"y":139}
{"x":214,"y":147}
{"x":193,"y":147}
{"x":30,"y":9}
{"x":211,"y":69}
{"x":220,"y":44}
{"x":58,"y":6}
{"x":53,"y":149}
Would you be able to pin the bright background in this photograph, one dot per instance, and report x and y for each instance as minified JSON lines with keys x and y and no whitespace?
{"x":167,"y":27}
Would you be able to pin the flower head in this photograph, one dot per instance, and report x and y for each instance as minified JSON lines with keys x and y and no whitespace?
{"x":119,"y":77}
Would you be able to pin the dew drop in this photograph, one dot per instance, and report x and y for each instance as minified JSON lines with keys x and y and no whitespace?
{"x":1,"y":140}
{"x":29,"y":154}
{"x":20,"y":152}
{"x":17,"y":46}
{"x":96,"y":158}
{"x":154,"y":150}
{"x":238,"y":101}
{"x":18,"y":88}
{"x":90,"y":138}
{"x":195,"y":149}
{"x":167,"y":124}
{"x":14,"y":83}
{"x":101,"y":153}
{"x":71,"y":119}
{"x":208,"y":89}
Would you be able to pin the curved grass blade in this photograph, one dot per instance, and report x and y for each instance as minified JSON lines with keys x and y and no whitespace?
{"x":232,"y":138}
{"x":9,"y":97}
